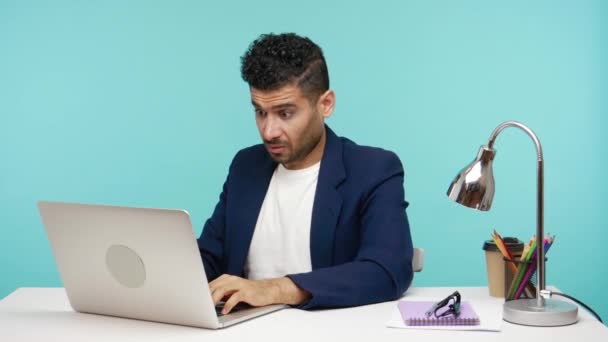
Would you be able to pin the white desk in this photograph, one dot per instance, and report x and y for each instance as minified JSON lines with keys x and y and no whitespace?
{"x":44,"y":314}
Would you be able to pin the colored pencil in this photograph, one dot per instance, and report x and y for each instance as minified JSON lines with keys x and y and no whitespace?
{"x":521,"y":270}
{"x":502,"y":246}
{"x":532,"y":268}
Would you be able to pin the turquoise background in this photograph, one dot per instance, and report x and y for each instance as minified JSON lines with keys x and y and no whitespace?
{"x":140,"y":103}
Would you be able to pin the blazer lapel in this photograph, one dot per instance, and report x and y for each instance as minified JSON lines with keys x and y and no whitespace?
{"x":328,"y":203}
{"x":250,"y":203}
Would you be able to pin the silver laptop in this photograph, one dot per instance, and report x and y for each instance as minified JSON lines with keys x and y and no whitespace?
{"x":135,"y":263}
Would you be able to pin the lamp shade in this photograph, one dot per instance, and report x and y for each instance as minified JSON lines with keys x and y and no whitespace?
{"x":474,"y":185}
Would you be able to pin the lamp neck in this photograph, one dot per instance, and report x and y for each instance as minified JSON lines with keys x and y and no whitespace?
{"x":531,"y":134}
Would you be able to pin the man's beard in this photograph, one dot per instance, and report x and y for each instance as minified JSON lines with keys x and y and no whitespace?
{"x":309,"y":143}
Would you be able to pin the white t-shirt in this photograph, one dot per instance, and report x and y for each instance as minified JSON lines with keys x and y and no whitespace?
{"x":281,"y":239}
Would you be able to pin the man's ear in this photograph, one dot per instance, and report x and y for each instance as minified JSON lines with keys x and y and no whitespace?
{"x":326,"y":103}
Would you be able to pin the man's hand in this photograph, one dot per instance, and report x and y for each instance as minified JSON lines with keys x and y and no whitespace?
{"x":256,"y":292}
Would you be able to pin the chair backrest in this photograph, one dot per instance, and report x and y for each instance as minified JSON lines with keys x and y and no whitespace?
{"x":418,"y":260}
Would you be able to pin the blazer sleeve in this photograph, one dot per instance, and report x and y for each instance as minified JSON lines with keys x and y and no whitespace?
{"x":382,"y":269}
{"x":211,"y":241}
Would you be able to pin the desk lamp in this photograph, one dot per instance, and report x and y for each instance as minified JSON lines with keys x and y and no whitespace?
{"x":474,"y":187}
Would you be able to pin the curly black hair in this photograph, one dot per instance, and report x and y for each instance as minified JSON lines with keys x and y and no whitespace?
{"x":275,"y":60}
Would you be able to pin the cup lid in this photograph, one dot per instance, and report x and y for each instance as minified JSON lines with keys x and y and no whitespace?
{"x":514,"y":245}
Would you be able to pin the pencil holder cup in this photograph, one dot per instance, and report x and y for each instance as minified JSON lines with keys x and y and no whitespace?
{"x":499,"y":276}
{"x":525,"y":272}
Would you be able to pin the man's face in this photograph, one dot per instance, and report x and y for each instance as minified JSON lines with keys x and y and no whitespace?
{"x":290,"y":125}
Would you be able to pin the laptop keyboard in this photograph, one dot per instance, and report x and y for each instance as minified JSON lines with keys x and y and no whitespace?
{"x":238,"y":307}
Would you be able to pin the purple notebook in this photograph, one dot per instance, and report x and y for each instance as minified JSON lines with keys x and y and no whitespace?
{"x":413,"y":313}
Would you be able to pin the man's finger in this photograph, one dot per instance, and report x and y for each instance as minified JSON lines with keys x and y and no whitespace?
{"x":226,"y":289}
{"x":232,"y":301}
{"x":221,"y":293}
{"x":217,"y":281}
{"x":224,"y":280}
{"x":217,"y":295}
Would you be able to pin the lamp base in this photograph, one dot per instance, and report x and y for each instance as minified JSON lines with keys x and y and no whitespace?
{"x":526,"y":312}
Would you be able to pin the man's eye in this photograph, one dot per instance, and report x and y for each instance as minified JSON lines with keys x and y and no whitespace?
{"x":260,"y":113}
{"x":285,"y":114}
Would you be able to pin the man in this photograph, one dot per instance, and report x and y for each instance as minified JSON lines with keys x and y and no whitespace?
{"x":307,"y":218}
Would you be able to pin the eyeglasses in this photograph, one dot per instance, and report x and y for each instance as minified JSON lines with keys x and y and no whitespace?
{"x":448,"y":306}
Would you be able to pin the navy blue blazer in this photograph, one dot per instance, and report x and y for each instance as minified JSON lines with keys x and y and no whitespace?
{"x":360,"y":242}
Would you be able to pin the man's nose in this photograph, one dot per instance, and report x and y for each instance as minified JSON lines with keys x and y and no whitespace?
{"x":271,"y":129}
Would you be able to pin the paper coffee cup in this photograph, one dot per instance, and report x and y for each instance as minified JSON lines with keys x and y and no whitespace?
{"x":499,"y":276}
